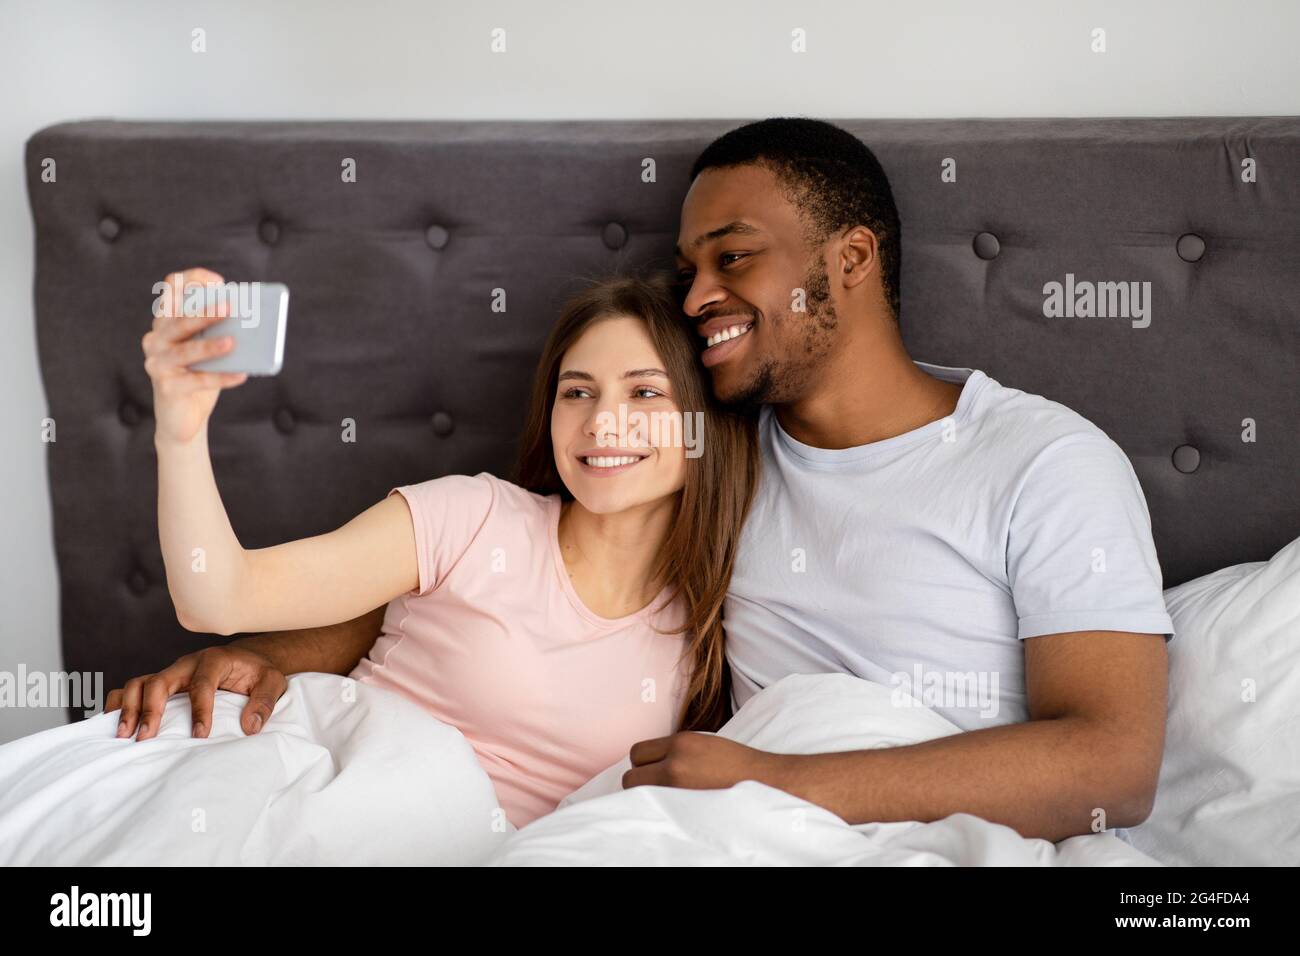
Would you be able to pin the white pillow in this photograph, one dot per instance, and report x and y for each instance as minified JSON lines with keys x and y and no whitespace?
{"x":1229,"y":792}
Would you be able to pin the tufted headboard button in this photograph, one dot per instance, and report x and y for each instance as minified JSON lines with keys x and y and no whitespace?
{"x":436,"y":236}
{"x":987,"y":246}
{"x":1187,"y":458}
{"x":269,"y":231}
{"x":129,"y":413}
{"x":442,"y":424}
{"x":138,"y":581}
{"x":614,"y":235}
{"x":284,"y":420}
{"x":1190,"y":247}
{"x":109,"y":228}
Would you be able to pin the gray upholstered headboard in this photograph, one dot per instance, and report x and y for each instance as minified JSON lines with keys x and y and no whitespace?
{"x":392,"y":325}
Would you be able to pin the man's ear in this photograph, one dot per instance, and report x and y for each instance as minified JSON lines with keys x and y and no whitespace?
{"x":859,"y":256}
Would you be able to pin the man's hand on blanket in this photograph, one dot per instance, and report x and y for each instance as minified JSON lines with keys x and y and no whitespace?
{"x":203,"y":673}
{"x":697,"y":761}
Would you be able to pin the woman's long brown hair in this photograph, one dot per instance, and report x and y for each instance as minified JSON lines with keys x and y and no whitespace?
{"x":697,"y":557}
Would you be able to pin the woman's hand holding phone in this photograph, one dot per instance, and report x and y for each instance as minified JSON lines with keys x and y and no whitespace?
{"x":218,"y":586}
{"x":184,"y":399}
{"x":192,"y":521}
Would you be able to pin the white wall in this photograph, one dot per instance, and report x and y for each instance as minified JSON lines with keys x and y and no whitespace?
{"x":291,"y":59}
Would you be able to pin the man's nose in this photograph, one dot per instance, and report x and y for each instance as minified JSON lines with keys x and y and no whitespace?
{"x":702,"y":294}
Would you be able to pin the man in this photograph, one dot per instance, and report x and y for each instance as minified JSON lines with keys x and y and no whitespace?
{"x":911,"y":518}
{"x":916,"y":525}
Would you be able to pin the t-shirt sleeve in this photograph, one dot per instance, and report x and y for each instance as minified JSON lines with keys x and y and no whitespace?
{"x":447,"y":514}
{"x":1079,"y":552}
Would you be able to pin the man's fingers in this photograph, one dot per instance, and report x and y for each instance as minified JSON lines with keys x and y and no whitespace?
{"x":649,"y":751}
{"x":269,"y":688}
{"x":114,"y":700}
{"x":130,"y":706}
{"x":153,"y":698}
{"x":210,"y":672}
{"x":641,"y":777}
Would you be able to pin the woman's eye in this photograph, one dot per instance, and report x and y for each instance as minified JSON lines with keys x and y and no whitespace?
{"x":576,"y":393}
{"x":645,"y":391}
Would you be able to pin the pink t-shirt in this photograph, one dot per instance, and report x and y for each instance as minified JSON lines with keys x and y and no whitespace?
{"x":496,"y":642}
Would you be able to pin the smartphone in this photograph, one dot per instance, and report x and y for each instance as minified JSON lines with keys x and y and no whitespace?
{"x":259,"y":312}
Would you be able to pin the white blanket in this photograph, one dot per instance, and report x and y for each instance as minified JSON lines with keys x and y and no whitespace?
{"x":376,"y":780}
{"x":752,"y":823}
{"x":342,"y":773}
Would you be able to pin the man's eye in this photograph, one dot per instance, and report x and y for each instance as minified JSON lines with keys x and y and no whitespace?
{"x":732,"y":255}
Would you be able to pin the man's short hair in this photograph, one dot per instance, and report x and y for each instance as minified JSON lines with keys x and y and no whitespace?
{"x":831,"y":176}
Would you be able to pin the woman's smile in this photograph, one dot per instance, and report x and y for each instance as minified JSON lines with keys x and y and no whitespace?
{"x":605,"y":464}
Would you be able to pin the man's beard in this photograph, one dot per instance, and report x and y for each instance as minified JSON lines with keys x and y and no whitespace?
{"x":783,"y":380}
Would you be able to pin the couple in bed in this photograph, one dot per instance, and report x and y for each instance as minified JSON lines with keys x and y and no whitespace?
{"x":844,"y":508}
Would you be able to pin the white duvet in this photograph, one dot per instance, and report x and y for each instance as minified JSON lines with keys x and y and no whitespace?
{"x":342,"y":773}
{"x":754,"y":824}
{"x":369,"y":778}
{"x":376,"y":780}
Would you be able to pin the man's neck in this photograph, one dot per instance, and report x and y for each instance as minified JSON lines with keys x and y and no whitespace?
{"x":870,"y":391}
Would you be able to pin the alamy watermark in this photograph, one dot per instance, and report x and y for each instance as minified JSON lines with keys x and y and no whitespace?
{"x":84,"y":689}
{"x":1102,"y":300}
{"x":198,"y":298}
{"x":947,"y":689}
{"x":75,"y":908}
{"x":662,"y":429}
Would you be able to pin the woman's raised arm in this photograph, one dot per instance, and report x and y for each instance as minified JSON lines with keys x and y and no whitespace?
{"x":216,"y":585}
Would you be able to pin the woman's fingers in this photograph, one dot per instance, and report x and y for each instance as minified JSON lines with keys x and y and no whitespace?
{"x":179,"y":284}
{"x":196,"y":350}
{"x":195,"y":292}
{"x":171,"y":367}
{"x":202,"y":276}
{"x":192,"y":382}
{"x":174,"y":328}
{"x":187,"y":353}
{"x":160,"y":368}
{"x":167,"y":335}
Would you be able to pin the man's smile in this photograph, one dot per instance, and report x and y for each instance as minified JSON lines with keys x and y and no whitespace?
{"x":722,"y":337}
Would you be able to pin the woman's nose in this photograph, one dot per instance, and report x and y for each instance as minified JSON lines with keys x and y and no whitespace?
{"x":602,"y":425}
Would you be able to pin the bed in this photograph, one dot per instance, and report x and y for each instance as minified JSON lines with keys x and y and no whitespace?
{"x":393,"y":277}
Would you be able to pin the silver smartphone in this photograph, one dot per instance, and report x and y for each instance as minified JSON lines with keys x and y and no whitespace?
{"x":259,"y":312}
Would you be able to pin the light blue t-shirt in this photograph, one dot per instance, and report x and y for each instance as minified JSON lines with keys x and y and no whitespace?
{"x":921,"y":561}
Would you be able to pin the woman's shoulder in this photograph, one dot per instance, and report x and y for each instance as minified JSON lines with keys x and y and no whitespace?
{"x":484,"y":493}
{"x":456,"y":514}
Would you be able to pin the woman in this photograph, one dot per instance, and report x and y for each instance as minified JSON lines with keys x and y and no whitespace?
{"x":554,"y":622}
